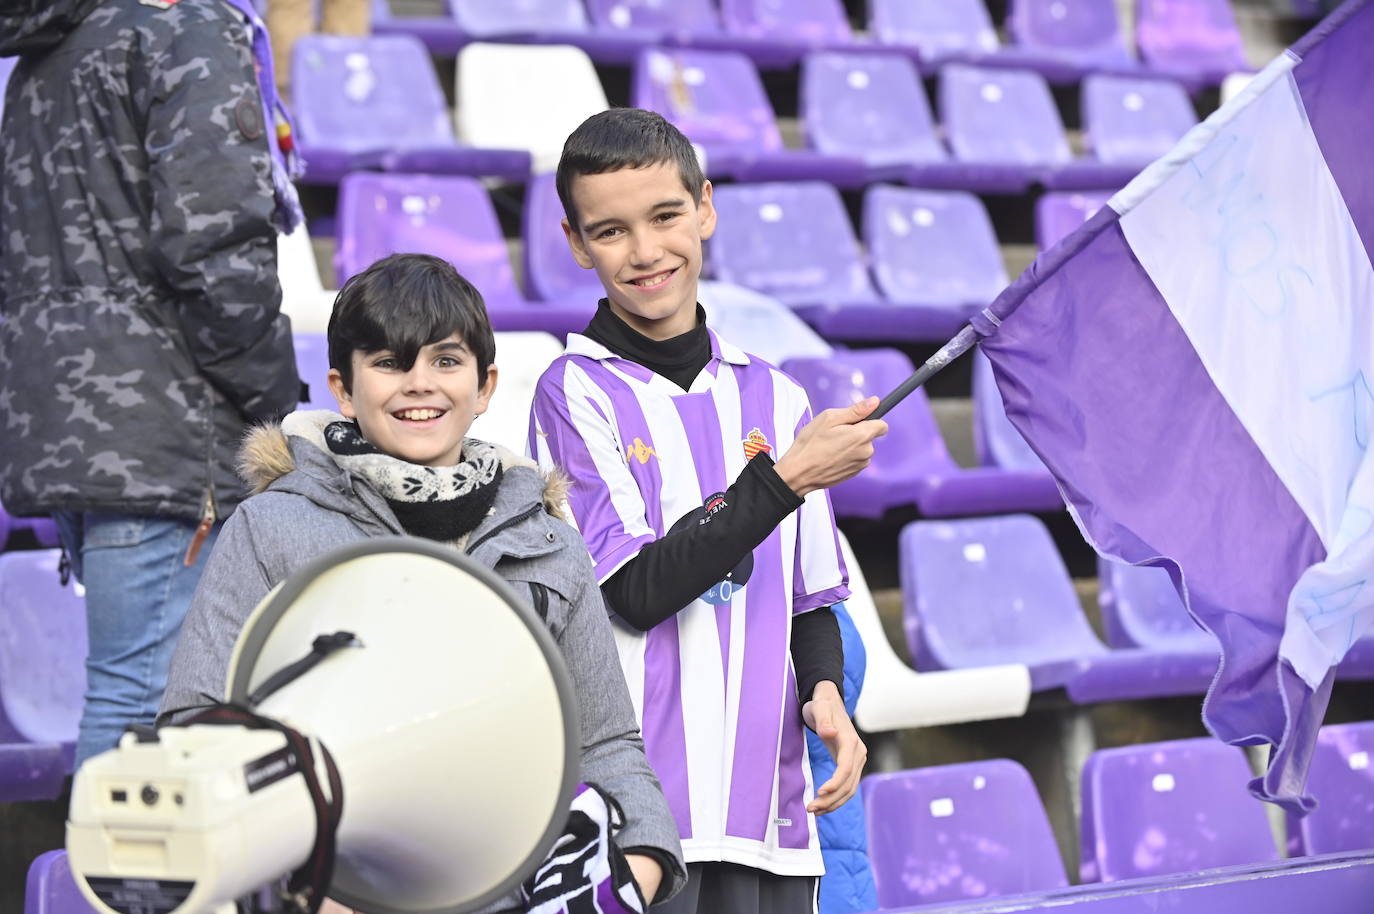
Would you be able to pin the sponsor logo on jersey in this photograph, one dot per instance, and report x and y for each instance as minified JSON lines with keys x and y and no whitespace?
{"x":639,"y":451}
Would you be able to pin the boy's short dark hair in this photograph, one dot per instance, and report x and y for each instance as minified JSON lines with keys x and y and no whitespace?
{"x":625,"y":138}
{"x":403,"y":303}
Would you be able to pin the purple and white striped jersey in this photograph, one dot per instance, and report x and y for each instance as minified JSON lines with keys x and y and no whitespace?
{"x":713,"y":686}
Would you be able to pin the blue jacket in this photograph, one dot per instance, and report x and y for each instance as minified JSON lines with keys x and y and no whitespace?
{"x":847,"y":885}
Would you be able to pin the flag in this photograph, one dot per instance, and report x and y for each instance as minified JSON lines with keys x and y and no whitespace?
{"x":1195,"y":365}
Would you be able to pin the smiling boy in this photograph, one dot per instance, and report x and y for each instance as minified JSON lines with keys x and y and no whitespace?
{"x":411,"y":364}
{"x":719,"y":565}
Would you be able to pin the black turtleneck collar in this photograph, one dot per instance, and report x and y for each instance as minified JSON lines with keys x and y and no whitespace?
{"x":679,"y":359}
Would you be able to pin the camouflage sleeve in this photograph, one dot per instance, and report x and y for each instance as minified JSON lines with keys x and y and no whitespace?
{"x":213,"y":238}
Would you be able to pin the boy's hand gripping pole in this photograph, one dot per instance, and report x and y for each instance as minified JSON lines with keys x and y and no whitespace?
{"x":962,"y":342}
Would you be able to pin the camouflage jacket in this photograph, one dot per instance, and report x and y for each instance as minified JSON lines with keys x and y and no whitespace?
{"x":141,"y":324}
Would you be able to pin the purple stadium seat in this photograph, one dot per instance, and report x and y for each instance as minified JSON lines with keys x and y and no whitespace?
{"x":873,"y":107}
{"x":1141,"y":608}
{"x":689,"y":24}
{"x":955,"y":832}
{"x":717,"y":99}
{"x":793,"y":241}
{"x":1176,"y":807}
{"x":1134,"y":121}
{"x":6,"y":523}
{"x":934,"y":254}
{"x":984,"y":591}
{"x":440,"y":34}
{"x":1058,"y":214}
{"x":375,"y":102}
{"x":1342,"y":780}
{"x":449,"y":217}
{"x":6,"y":68}
{"x":995,"y":439}
{"x":810,"y":23}
{"x":1084,"y":33}
{"x":1008,"y":117}
{"x":911,"y":464}
{"x":939,"y":30}
{"x":543,"y":22}
{"x":551,"y":273}
{"x":42,"y":675}
{"x":51,"y":888}
{"x":1195,"y":40}
{"x":312,"y":364}
{"x":960,"y":31}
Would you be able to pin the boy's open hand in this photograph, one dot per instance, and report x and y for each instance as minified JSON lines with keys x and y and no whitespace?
{"x":831,"y":448}
{"x":825,"y":714}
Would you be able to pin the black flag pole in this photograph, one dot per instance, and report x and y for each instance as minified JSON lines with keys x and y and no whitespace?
{"x":963,"y":341}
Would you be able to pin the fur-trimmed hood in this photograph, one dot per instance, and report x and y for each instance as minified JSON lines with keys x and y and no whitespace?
{"x":268,"y":457}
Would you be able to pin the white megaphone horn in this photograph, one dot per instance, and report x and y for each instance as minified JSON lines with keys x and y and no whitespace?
{"x":450,"y":718}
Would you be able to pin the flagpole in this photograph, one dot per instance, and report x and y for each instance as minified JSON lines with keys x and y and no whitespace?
{"x":963,"y":341}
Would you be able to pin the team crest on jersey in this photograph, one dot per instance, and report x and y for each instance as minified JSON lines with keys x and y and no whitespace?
{"x":639,"y":451}
{"x":754,"y":442}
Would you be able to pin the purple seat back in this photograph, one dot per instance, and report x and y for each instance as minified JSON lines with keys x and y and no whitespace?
{"x":937,"y":28}
{"x":996,"y":440}
{"x":6,"y":522}
{"x":957,"y":832}
{"x":1088,"y":31}
{"x":483,"y":18}
{"x":912,"y":447}
{"x":1189,"y":35}
{"x":1001,"y":116}
{"x":449,"y":217}
{"x":363,"y":94}
{"x":869,"y":106}
{"x":1177,"y":807}
{"x":932,"y":247}
{"x":1134,"y":121}
{"x":679,"y":17}
{"x":1342,"y":780}
{"x":989,"y":590}
{"x":312,"y":364}
{"x":42,"y":650}
{"x":789,"y":240}
{"x":810,"y":22}
{"x":51,"y":888}
{"x":714,"y":97}
{"x":1141,"y":608}
{"x":550,"y":270}
{"x":6,"y":68}
{"x":1058,"y":214}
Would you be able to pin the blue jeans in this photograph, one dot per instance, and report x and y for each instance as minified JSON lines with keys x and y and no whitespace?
{"x":138,"y":589}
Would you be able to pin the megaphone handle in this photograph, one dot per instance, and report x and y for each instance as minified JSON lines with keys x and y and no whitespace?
{"x":962,"y":342}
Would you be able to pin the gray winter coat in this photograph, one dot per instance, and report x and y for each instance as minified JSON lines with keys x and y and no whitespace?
{"x":309,"y":505}
{"x":141,"y":329}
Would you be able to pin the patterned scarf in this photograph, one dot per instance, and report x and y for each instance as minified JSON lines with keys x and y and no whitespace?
{"x":286,"y":161}
{"x":585,"y":871}
{"x":438,"y":503}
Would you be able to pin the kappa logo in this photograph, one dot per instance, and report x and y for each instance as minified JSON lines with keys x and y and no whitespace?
{"x":754,"y":442}
{"x":639,"y":451}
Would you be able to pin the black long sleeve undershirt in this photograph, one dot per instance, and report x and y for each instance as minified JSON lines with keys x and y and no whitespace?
{"x":671,"y":572}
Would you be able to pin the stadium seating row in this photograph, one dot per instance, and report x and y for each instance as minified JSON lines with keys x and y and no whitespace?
{"x":929,"y":258}
{"x":975,"y":830}
{"x":376,"y":103}
{"x":1196,"y":40}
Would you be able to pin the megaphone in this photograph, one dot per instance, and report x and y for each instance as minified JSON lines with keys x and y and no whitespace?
{"x":449,"y":716}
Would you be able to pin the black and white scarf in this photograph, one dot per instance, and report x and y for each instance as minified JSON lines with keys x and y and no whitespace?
{"x":438,"y":503}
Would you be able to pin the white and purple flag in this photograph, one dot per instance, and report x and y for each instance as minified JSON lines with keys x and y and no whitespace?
{"x":1196,"y":365}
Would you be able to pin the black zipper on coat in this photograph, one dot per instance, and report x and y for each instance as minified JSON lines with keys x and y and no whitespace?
{"x":504,"y":525}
